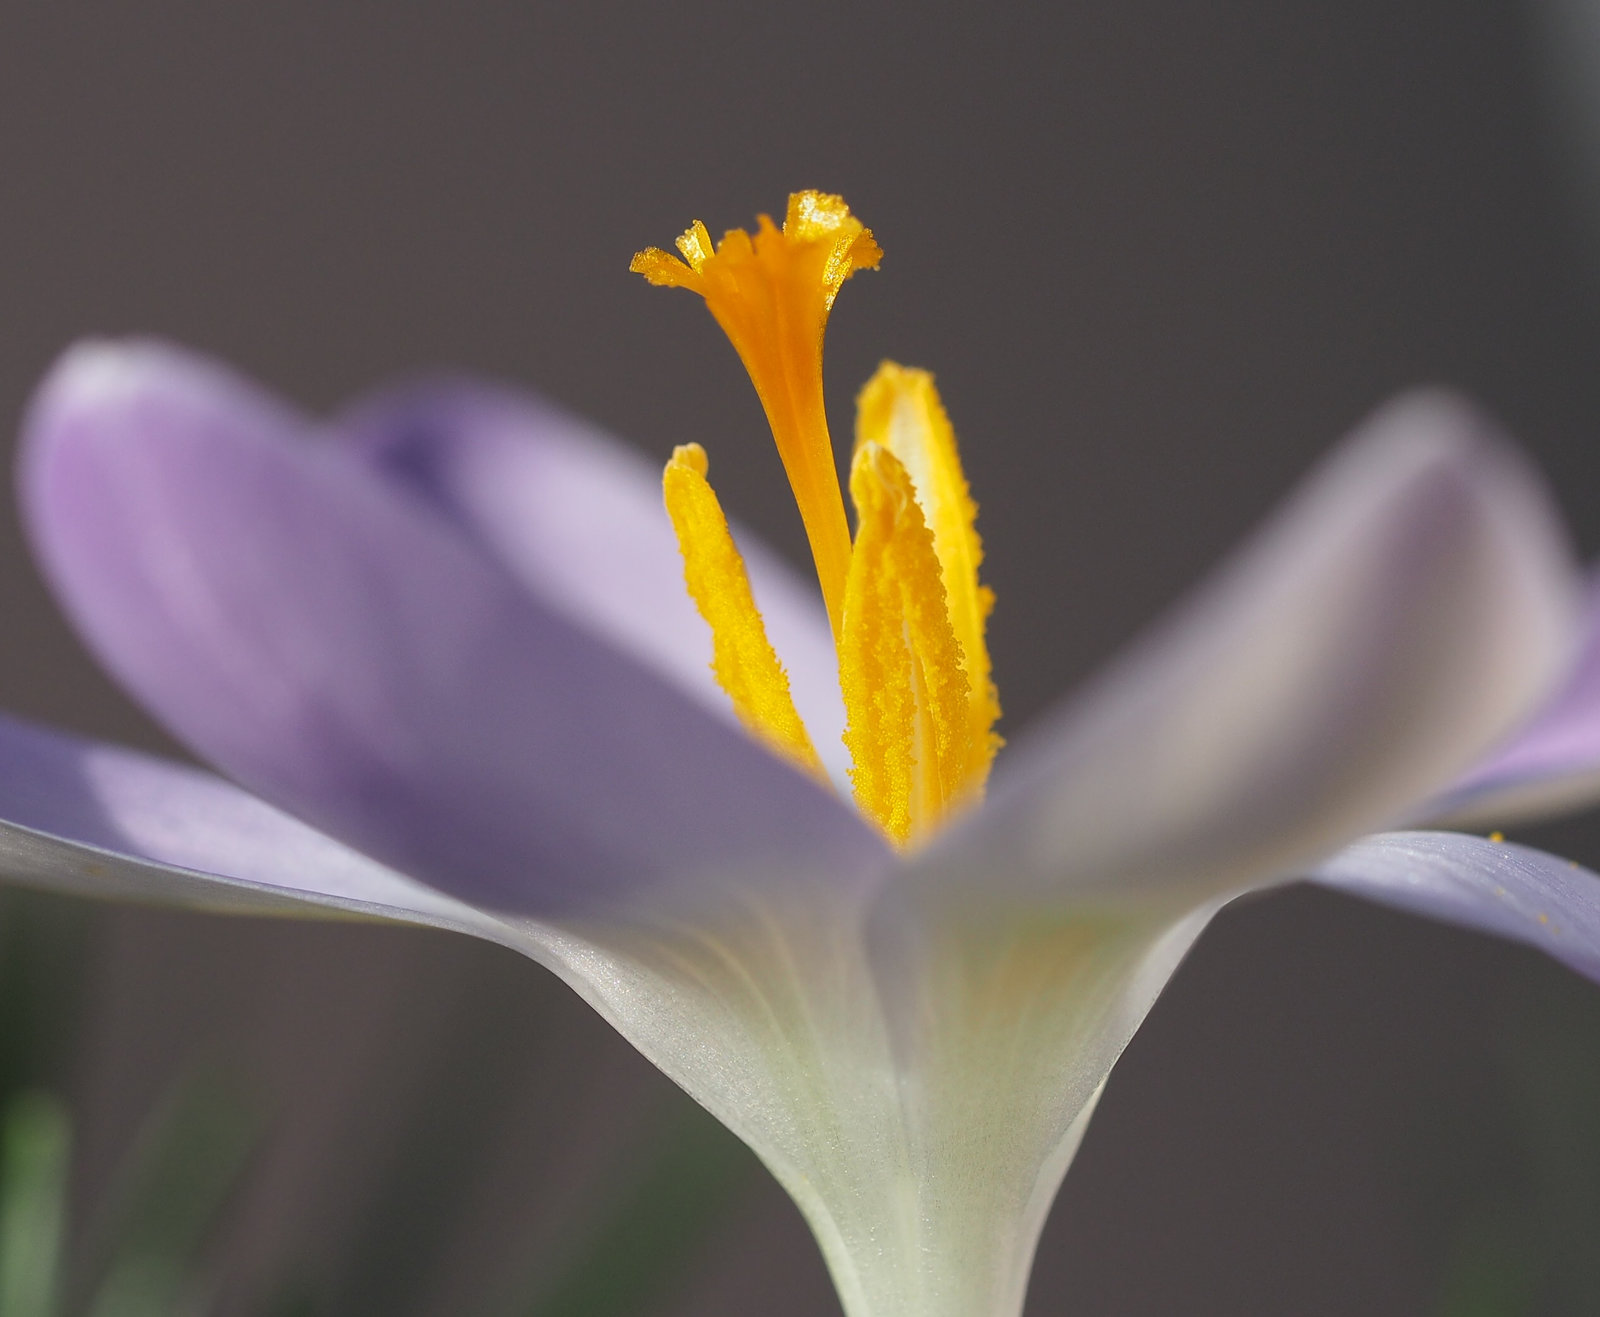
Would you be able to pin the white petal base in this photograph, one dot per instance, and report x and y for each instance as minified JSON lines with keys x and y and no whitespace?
{"x":923,"y":1131}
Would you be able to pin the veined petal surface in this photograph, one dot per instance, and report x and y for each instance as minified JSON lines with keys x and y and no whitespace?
{"x":1512,"y":891}
{"x":343,"y":651}
{"x":577,"y":517}
{"x":1551,"y":764}
{"x":1407,"y":608}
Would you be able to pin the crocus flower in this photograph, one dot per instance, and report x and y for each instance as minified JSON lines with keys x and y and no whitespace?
{"x":444,"y":648}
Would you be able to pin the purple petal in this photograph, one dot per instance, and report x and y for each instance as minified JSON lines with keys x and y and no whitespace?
{"x":578,"y":518}
{"x":345,"y":653}
{"x":1511,"y":891}
{"x":98,"y":820}
{"x":1553,"y":763}
{"x":1405,"y":609}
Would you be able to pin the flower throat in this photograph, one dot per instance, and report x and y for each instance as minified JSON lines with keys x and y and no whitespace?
{"x":902,"y":595}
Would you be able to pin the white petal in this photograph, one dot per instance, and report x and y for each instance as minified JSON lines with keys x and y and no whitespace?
{"x":920,"y":1083}
{"x":1407,"y":608}
{"x":924,"y":1163}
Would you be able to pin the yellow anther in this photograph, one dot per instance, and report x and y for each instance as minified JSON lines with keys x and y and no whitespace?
{"x":906,"y":694}
{"x":743,"y":659}
{"x":900,"y":409}
{"x":771,"y":294}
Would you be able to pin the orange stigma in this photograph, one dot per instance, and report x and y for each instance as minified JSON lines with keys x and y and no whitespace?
{"x":771,"y":294}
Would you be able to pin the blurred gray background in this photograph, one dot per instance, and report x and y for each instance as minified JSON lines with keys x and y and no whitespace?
{"x":1160,"y":256}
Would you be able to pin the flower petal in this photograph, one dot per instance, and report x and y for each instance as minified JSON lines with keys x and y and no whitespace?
{"x":577,"y":517}
{"x":99,"y":820}
{"x":762,"y":1007}
{"x":345,"y":653}
{"x":926,"y":1170}
{"x":1407,"y":607}
{"x":91,"y":819}
{"x":1511,"y":891}
{"x":1551,"y":765}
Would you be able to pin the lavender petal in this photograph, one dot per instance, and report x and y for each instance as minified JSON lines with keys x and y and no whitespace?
{"x":337,"y":649}
{"x":1552,"y":764}
{"x":99,"y":820}
{"x":1511,"y":891}
{"x":577,"y":517}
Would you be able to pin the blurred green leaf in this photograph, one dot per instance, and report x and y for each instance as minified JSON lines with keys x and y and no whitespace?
{"x":37,"y":1150}
{"x":1494,"y":1272}
{"x":294,"y":1302}
{"x":168,"y":1195}
{"x":43,"y":940}
{"x":137,"y":1256}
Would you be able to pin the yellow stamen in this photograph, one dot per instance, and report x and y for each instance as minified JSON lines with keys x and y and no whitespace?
{"x":900,"y":409}
{"x":906,"y":695}
{"x":771,"y":294}
{"x":743,"y":659}
{"x":907,"y":609}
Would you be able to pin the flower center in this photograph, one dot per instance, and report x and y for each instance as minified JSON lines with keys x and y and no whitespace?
{"x":903,"y":596}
